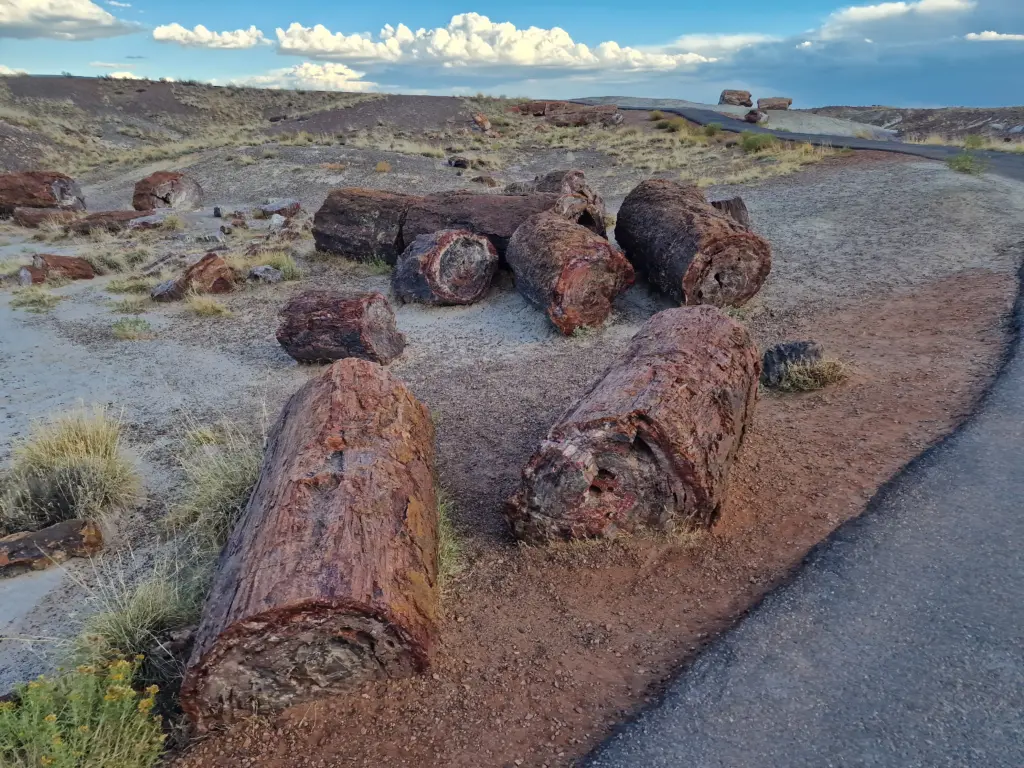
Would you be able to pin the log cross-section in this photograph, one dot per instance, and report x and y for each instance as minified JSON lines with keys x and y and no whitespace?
{"x":329,"y":579}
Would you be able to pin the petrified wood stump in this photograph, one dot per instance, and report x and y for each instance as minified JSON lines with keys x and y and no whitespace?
{"x":689,"y":249}
{"x":329,"y":579}
{"x":452,"y":266}
{"x":650,"y":444}
{"x":323,"y":326}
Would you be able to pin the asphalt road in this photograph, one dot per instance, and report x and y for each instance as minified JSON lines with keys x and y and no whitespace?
{"x":900,"y":643}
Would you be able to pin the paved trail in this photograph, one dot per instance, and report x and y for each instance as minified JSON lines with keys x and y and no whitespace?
{"x":901,"y":641}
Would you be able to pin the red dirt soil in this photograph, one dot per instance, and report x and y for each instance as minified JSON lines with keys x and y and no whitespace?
{"x":543,"y":651}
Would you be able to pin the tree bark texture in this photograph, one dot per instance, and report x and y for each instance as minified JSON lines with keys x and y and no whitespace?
{"x":452,"y":266}
{"x":323,"y":326}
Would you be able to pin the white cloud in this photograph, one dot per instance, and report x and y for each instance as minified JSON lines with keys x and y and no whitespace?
{"x":201,"y":37}
{"x":805,"y":44}
{"x":105,"y":64}
{"x":842,"y":20}
{"x":6,"y":71}
{"x":328,"y":76}
{"x":124,"y":76}
{"x":470,"y":39}
{"x":717,"y":45}
{"x":59,"y":19}
{"x":992,"y":37}
{"x":116,"y":4}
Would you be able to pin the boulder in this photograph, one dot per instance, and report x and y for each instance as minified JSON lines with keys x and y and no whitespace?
{"x":33,"y":218}
{"x":776,"y":361}
{"x":109,"y":221}
{"x":69,"y":267}
{"x":755,"y":116}
{"x":323,"y":326}
{"x":31,"y":276}
{"x":37,"y":550}
{"x":211,"y":274}
{"x":735,"y":98}
{"x":774,"y":102}
{"x":167,"y":189}
{"x":39,"y":189}
{"x":285,"y":208}
{"x":265,"y":274}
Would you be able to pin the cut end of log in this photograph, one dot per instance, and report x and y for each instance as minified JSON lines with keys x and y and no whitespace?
{"x":449,"y":267}
{"x":729,"y":273}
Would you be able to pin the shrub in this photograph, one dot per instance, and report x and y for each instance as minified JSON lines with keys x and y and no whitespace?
{"x":754,"y":143}
{"x":656,"y":115}
{"x":70,"y":467}
{"x":965,"y":162}
{"x":172,"y":223}
{"x":90,"y":716}
{"x":974,"y":142}
{"x":807,"y":377}
{"x":132,"y":329}
{"x":382,"y":167}
{"x":132,"y":305}
{"x":35,"y":299}
{"x":712,"y":129}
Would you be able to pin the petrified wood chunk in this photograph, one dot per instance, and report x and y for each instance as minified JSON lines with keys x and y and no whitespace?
{"x":362,"y":224}
{"x":650,"y":444}
{"x":41,"y":549}
{"x":167,"y":189}
{"x":735,"y":207}
{"x":323,"y":326}
{"x":452,"y":266}
{"x":33,"y":218}
{"x":39,"y":189}
{"x":70,"y":267}
{"x":329,"y":579}
{"x":735,"y":98}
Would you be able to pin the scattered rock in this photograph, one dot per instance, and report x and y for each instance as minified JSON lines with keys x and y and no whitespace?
{"x":286,"y":208}
{"x":323,"y":326}
{"x":487,"y":181}
{"x":226,"y":230}
{"x":33,"y":218}
{"x":265,"y":274}
{"x":482,"y":122}
{"x":70,"y":267}
{"x":167,"y":189}
{"x":735,"y":98}
{"x":774,"y":102}
{"x":36,"y":550}
{"x":277,"y":221}
{"x":755,"y":116}
{"x":217,"y":212}
{"x":449,"y":267}
{"x":39,"y":189}
{"x":110,"y":221}
{"x":459,"y":162}
{"x":31,"y":276}
{"x":735,"y":207}
{"x":169,"y":290}
{"x":776,"y":361}
{"x":211,"y":274}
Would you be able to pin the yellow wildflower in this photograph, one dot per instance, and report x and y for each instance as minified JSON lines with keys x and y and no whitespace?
{"x":153,"y":690}
{"x":46,"y":760}
{"x":50,"y":718}
{"x":83,"y":729}
{"x":145,"y":705}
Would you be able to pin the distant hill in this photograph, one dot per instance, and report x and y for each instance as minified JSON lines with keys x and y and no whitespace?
{"x":952,"y":122}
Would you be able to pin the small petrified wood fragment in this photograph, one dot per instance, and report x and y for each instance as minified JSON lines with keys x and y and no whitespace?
{"x":452,"y":266}
{"x":689,"y":249}
{"x":735,"y":207}
{"x":650,"y":444}
{"x":362,"y":224}
{"x":329,"y":579}
{"x":567,"y":271}
{"x":37,"y":550}
{"x":323,"y":326}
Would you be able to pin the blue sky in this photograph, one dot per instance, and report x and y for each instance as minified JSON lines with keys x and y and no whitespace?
{"x":899,"y":52}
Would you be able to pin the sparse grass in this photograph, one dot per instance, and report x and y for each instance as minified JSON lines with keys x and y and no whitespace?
{"x":656,"y":115}
{"x":172,"y":223}
{"x":244,"y":160}
{"x":132,"y":329}
{"x":450,"y":554}
{"x":754,"y":143}
{"x":807,"y":377}
{"x":135,"y":284}
{"x":87,"y":717}
{"x":712,"y":129}
{"x":965,"y":162}
{"x":49,"y":231}
{"x":71,"y":466}
{"x":971,"y":141}
{"x":382,"y":166}
{"x":35,"y":299}
{"x":280,"y":260}
{"x":131,"y":305}
{"x":268,"y":154}
{"x":206,"y":306}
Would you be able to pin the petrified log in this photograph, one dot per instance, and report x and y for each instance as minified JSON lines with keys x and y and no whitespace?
{"x":567,"y":271}
{"x":735,"y":98}
{"x":650,"y":444}
{"x":110,"y":221}
{"x":329,"y":579}
{"x":755,"y":116}
{"x":167,"y":189}
{"x":362,"y":224}
{"x":452,"y":266}
{"x":39,"y":189}
{"x":37,"y":550}
{"x":774,"y":102}
{"x":323,"y":326}
{"x":687,"y":248}
{"x":33,"y":218}
{"x":287,"y":208}
{"x":70,"y":267}
{"x":211,"y":274}
{"x":735,"y":207}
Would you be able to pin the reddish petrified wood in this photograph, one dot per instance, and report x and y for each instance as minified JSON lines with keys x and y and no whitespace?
{"x":70,"y":267}
{"x":39,"y":189}
{"x":650,"y":444}
{"x":604,"y":114}
{"x":323,"y":326}
{"x":362,"y":224}
{"x":452,"y":266}
{"x":31,"y":275}
{"x":329,"y":578}
{"x":735,"y":207}
{"x":37,"y":550}
{"x":167,"y":189}
{"x":33,"y":218}
{"x":689,"y":249}
{"x":211,"y":274}
{"x":111,"y":221}
{"x":572,"y":184}
{"x":567,"y":271}
{"x":543,"y":108}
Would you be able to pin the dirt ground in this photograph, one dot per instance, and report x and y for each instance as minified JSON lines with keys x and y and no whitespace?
{"x":903,"y":269}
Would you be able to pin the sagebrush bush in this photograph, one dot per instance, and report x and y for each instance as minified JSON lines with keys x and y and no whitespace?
{"x":753,"y":143}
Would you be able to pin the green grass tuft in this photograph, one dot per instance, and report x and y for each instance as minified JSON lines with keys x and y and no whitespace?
{"x":450,"y":554}
{"x":966,"y":163}
{"x":35,"y":299}
{"x":754,"y":143}
{"x":132,"y":329}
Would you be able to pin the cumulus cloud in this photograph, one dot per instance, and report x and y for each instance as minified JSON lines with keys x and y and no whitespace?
{"x":60,"y":20}
{"x":846,"y":19}
{"x":201,"y":37}
{"x":124,"y":76}
{"x":717,"y":45}
{"x":992,"y":37}
{"x":471,"y":39}
{"x":115,"y":4}
{"x":6,"y":71}
{"x":329,"y":76}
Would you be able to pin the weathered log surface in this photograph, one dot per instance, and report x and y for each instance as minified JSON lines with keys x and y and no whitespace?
{"x":33,"y":218}
{"x":330,"y":577}
{"x":452,"y":266}
{"x":735,"y":98}
{"x":39,"y":189}
{"x":70,"y":267}
{"x":211,"y":274}
{"x":774,"y":102}
{"x":650,"y":444}
{"x":362,"y":224}
{"x":687,"y":248}
{"x":573,"y":184}
{"x":110,"y":221}
{"x":323,"y":326}
{"x":567,"y":271}
{"x":37,"y":550}
{"x":735,"y":207}
{"x":167,"y":189}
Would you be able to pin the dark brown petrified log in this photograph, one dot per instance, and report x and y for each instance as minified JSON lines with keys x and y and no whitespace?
{"x":452,"y":266}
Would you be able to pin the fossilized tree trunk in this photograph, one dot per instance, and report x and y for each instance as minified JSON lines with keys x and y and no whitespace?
{"x":323,"y":326}
{"x":650,"y":444}
{"x":362,"y":224}
{"x":735,"y":207}
{"x":329,"y":578}
{"x":452,"y":266}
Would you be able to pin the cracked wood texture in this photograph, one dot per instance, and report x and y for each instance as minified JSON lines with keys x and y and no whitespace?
{"x":649,"y":446}
{"x":567,"y":271}
{"x":449,"y":267}
{"x":362,"y":224}
{"x":687,"y":248}
{"x":324,"y":326}
{"x":329,"y":579}
{"x":167,"y":189}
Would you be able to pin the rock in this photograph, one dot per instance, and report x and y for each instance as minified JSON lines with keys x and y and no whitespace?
{"x":277,"y":221}
{"x":755,"y":116}
{"x":37,"y":550}
{"x":361,"y":224}
{"x":211,"y":274}
{"x":520,"y":188}
{"x":323,"y":326}
{"x":774,"y":102}
{"x":482,"y":122}
{"x":33,"y":218}
{"x":169,"y":290}
{"x":458,"y":162}
{"x":226,"y":230}
{"x":212,"y":238}
{"x":70,"y":267}
{"x":606,"y":115}
{"x":735,"y":207}
{"x":217,"y":212}
{"x":31,"y":276}
{"x":448,"y":267}
{"x":39,"y":189}
{"x":286,"y":208}
{"x":735,"y":98}
{"x":110,"y":221}
{"x":265,"y":274}
{"x":167,"y":189}
{"x":776,"y":361}
{"x":487,"y":181}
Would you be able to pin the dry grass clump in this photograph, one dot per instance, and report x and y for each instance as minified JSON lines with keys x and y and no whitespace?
{"x":383,"y":166}
{"x":206,"y":306}
{"x":450,"y":554}
{"x":132,"y":329}
{"x":754,"y":143}
{"x":280,"y":260}
{"x":131,"y":305}
{"x":134,"y":284}
{"x":807,"y":377}
{"x":72,"y":466}
{"x":385,"y":139}
{"x":35,"y":299}
{"x":970,"y":141}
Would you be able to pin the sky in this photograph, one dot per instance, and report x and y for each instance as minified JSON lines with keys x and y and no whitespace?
{"x":914,"y":53}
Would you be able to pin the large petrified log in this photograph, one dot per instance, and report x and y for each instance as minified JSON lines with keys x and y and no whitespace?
{"x":39,"y":189}
{"x":452,"y":266}
{"x":735,"y":207}
{"x":33,"y":218}
{"x":323,"y":326}
{"x":167,"y":189}
{"x":650,"y":444}
{"x":567,"y":271}
{"x":774,"y":102}
{"x":573,"y":184}
{"x":362,"y":224}
{"x":37,"y":550}
{"x":687,"y":248}
{"x":329,"y":578}
{"x":735,"y":98}
{"x":68,"y":267}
